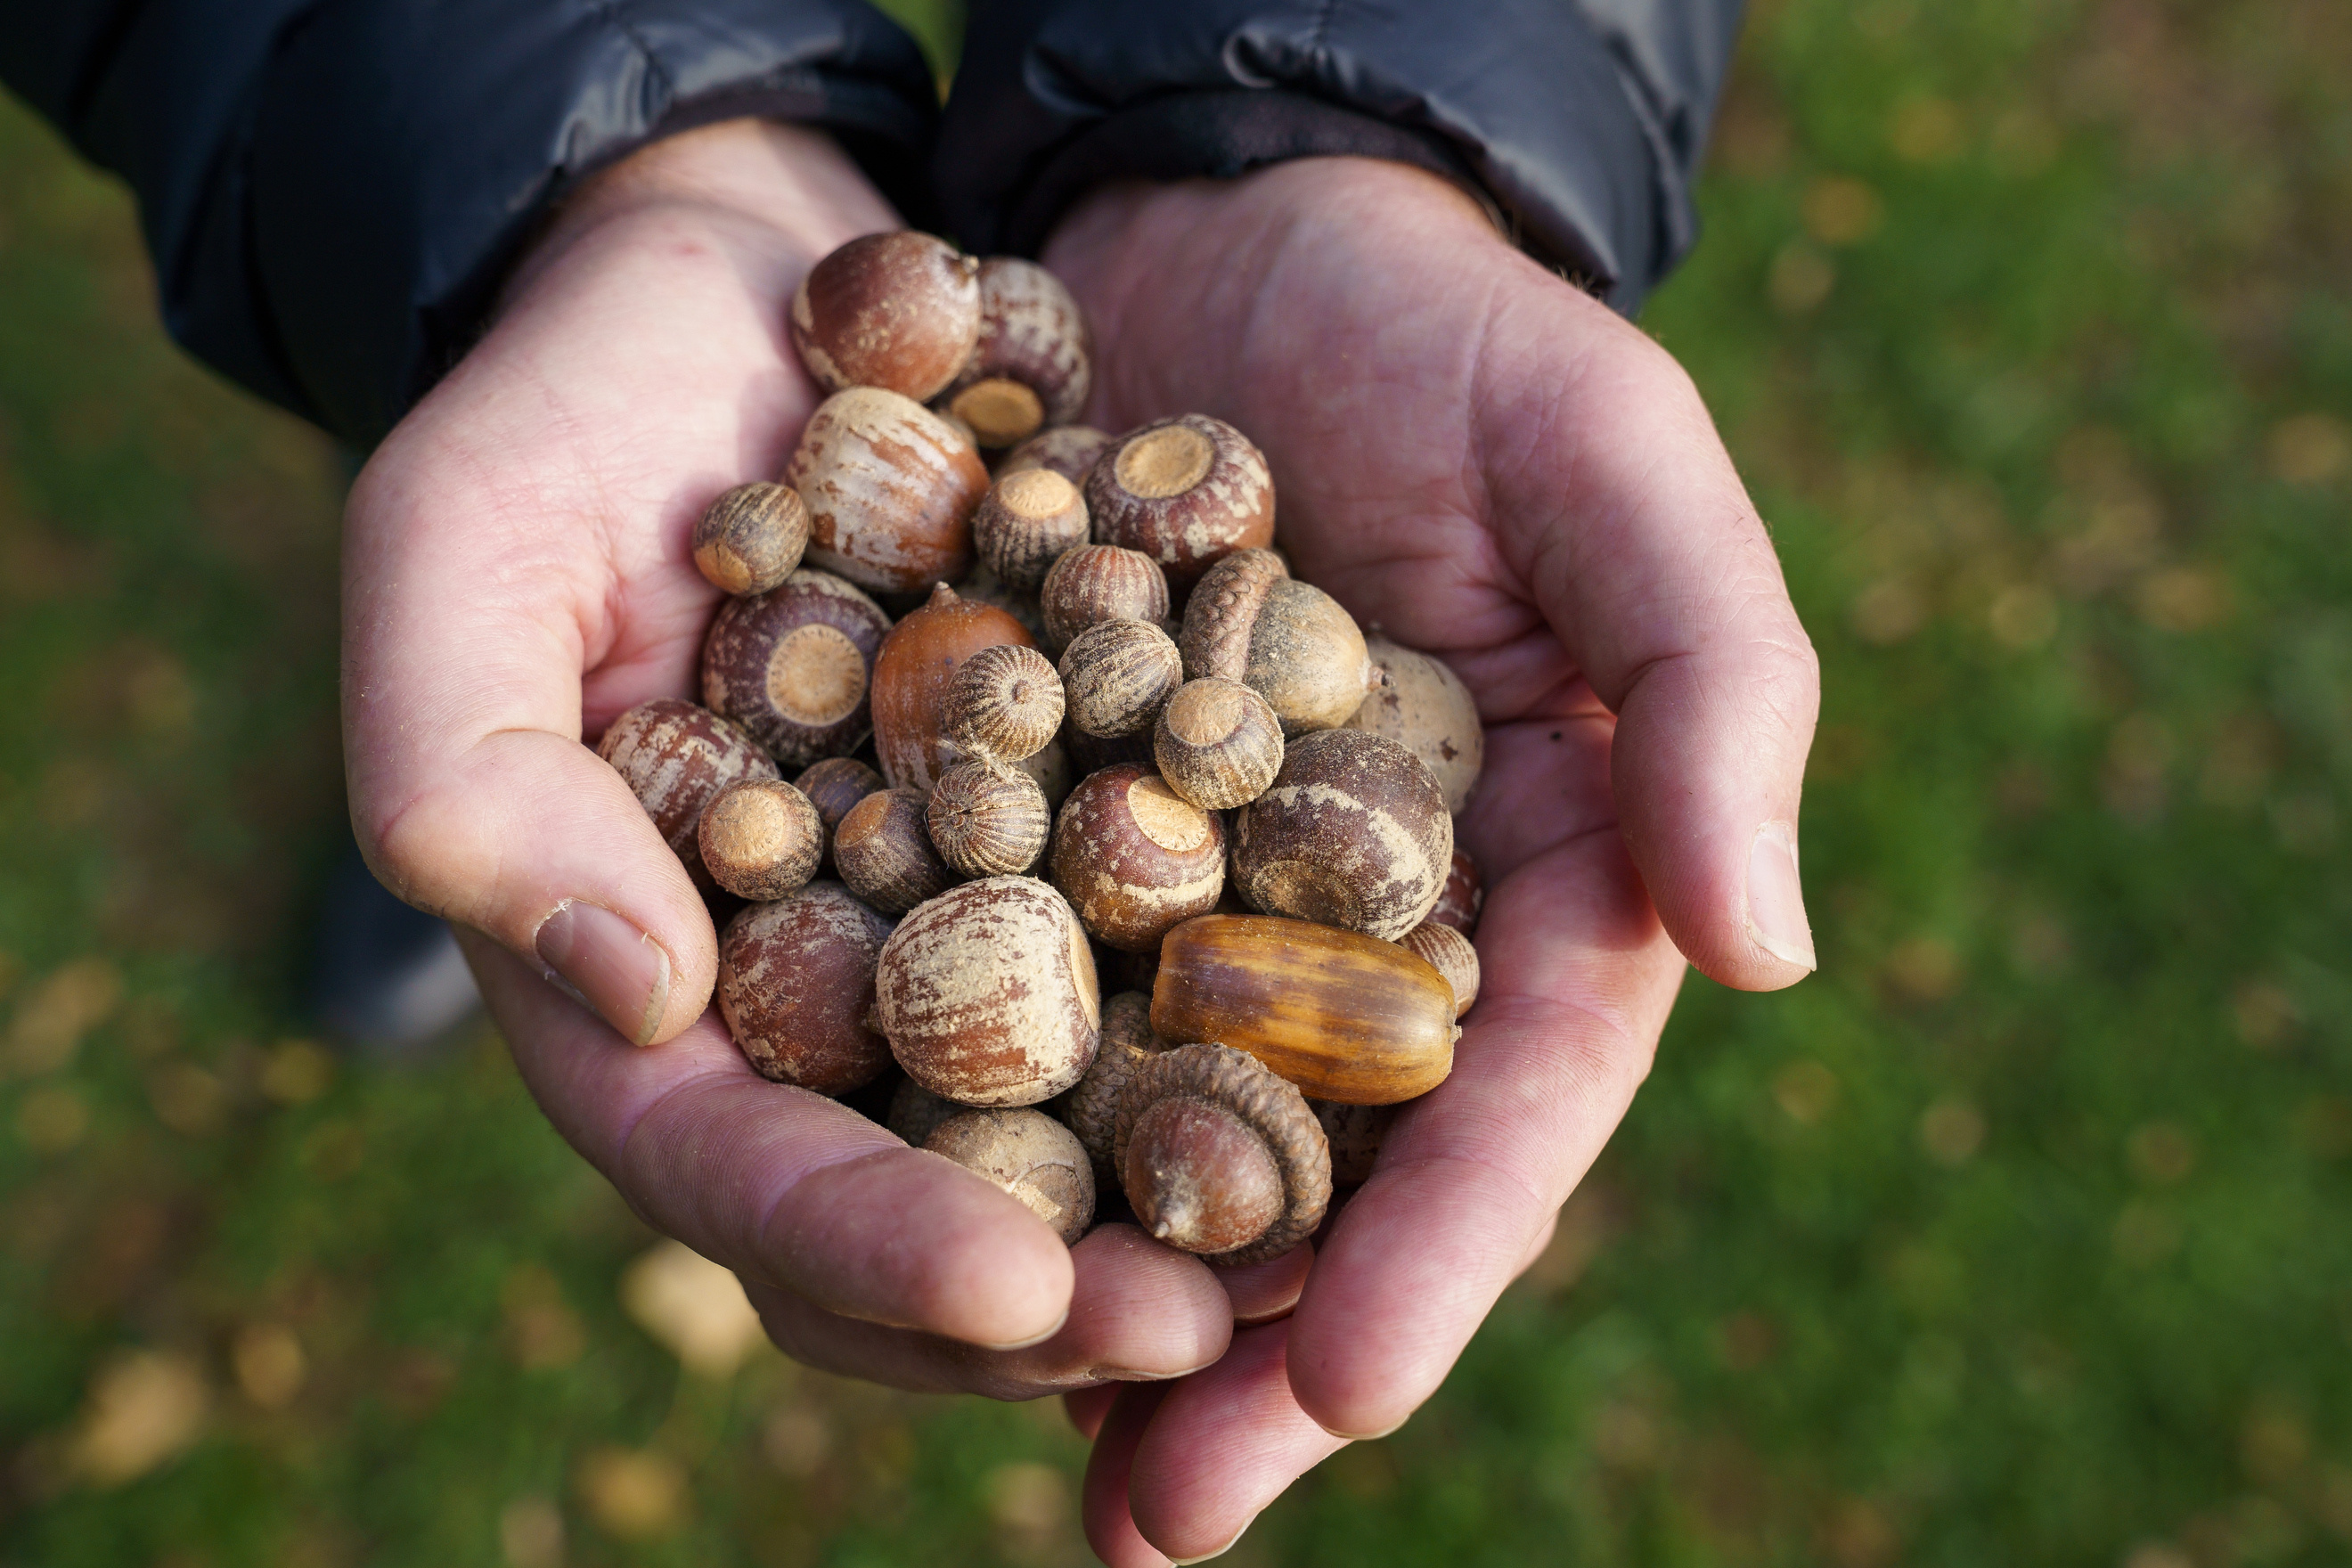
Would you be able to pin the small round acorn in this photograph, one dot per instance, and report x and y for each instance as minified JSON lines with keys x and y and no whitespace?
{"x":794,"y":666}
{"x":1417,"y":700}
{"x":897,"y":310}
{"x":883,"y":850}
{"x":913,"y":674}
{"x":1353,"y":832}
{"x":891,"y":488}
{"x":1134,"y":859}
{"x":1026,"y":522}
{"x":1004,"y":702}
{"x":833,"y":785}
{"x":1184,"y":491}
{"x":1091,"y":1108}
{"x":1449,"y":953}
{"x":1031,"y":1156}
{"x":797,"y":988}
{"x":1219,"y":1156}
{"x":760,"y":838}
{"x":1116,"y":676}
{"x":1069,"y":451}
{"x":988,"y":819}
{"x":1250,"y":620}
{"x":1218,"y":744}
{"x":1098,"y":583}
{"x":751,"y":538}
{"x":988,"y":993}
{"x":1030,"y":367}
{"x":1465,"y":895}
{"x":677,"y":758}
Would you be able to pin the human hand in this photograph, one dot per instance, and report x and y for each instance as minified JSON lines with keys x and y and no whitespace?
{"x":516,"y":574}
{"x":1491,"y":465}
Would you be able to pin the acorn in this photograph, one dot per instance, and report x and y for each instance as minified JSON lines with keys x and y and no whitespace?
{"x":988,"y":819}
{"x":1184,"y":491}
{"x":1340,"y":1015}
{"x":760,"y":838}
{"x":984,"y":586}
{"x":1116,"y":676}
{"x":1005,"y":702}
{"x":1027,"y":521}
{"x":677,"y":758}
{"x":883,"y":850}
{"x":913,"y":673}
{"x":1098,"y":583}
{"x":1355,"y":1133}
{"x":898,"y":310}
{"x":1449,"y":953}
{"x":1029,"y":1155}
{"x":833,"y":785}
{"x":988,"y":996}
{"x":914,"y":1112}
{"x":1465,"y":895}
{"x":1051,"y":769}
{"x":794,"y":666}
{"x":1134,"y":859}
{"x":1030,"y":367}
{"x":1417,"y":700}
{"x":1217,"y":743}
{"x":1250,"y":620}
{"x":1218,"y":1156}
{"x":890,"y":489}
{"x":797,"y":988}
{"x":751,"y":538}
{"x":1353,"y":832}
{"x":1069,"y":451}
{"x":1090,"y":1107}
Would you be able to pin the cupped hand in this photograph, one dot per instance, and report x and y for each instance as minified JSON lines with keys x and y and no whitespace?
{"x":516,"y":574}
{"x":1486,"y":463}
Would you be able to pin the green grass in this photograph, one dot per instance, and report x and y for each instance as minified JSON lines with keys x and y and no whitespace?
{"x":2017,"y":1235}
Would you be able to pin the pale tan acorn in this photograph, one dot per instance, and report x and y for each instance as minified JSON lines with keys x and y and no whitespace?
{"x":1116,"y":676}
{"x":1184,"y":491}
{"x":1219,"y":1156}
{"x":1250,"y":620}
{"x":1029,"y":519}
{"x":1217,"y":743}
{"x":677,"y":758}
{"x":1449,"y":953}
{"x":1069,"y":451}
{"x":988,"y":819}
{"x":883,"y":850}
{"x":891,"y":488}
{"x":1098,"y":583}
{"x":1005,"y":702}
{"x":1353,"y":832}
{"x":794,"y":666}
{"x":1029,"y":1154}
{"x":751,"y":538}
{"x":1417,"y":698}
{"x":899,"y":311}
{"x":760,"y":838}
{"x":1031,"y":366}
{"x":1340,"y":1015}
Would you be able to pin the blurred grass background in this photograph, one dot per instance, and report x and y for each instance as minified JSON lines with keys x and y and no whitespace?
{"x":2018,"y":1233}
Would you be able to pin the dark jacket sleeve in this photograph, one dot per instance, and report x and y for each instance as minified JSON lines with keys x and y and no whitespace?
{"x":331,"y":189}
{"x":1583,"y":120}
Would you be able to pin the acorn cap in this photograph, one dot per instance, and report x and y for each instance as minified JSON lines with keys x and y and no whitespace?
{"x":1275,"y":1111}
{"x":1091,"y":1108}
{"x":1223,"y":607}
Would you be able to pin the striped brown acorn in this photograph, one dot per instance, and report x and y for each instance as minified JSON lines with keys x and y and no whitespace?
{"x":1352,"y":832}
{"x":883,"y":850}
{"x":988,"y":993}
{"x":1069,"y":451}
{"x":676,"y":757}
{"x":988,"y":819}
{"x":1027,"y":521}
{"x":1290,"y":642}
{"x":1185,"y":491}
{"x":1340,"y":1015}
{"x":1136,"y":860}
{"x":1098,"y":583}
{"x":1449,"y":953}
{"x":1005,"y":702}
{"x":833,"y":785}
{"x":1115,"y":677}
{"x":1031,"y":366}
{"x":913,"y":674}
{"x":1416,"y":698}
{"x":891,"y":488}
{"x":751,"y":538}
{"x":794,"y":666}
{"x":1220,"y":1157}
{"x":899,"y":311}
{"x":1218,"y":744}
{"x":797,"y":988}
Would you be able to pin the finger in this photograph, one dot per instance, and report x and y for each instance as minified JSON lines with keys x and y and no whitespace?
{"x":1223,"y":1444}
{"x":1110,"y":1531}
{"x":1086,"y":1407}
{"x":779,"y":1183}
{"x":1266,"y":1292}
{"x":1140,"y":1312}
{"x":1577,"y":982}
{"x":1613,"y":498}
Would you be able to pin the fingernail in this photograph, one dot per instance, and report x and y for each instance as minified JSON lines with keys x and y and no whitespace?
{"x":1220,"y":1551}
{"x":1364,"y":1436}
{"x":1776,"y":899}
{"x":610,"y":964}
{"x":1034,"y":1339}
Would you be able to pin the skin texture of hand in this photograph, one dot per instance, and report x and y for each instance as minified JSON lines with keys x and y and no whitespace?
{"x":516,"y":574}
{"x":1491,"y":465}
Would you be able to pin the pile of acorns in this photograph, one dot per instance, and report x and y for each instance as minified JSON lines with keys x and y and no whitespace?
{"x":1260,"y":840}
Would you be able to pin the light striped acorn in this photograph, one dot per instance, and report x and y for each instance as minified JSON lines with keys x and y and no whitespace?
{"x":1449,"y":953}
{"x":1005,"y":702}
{"x":1218,"y":744}
{"x":1025,"y":523}
{"x":891,"y":488}
{"x":1340,"y":1015}
{"x":1219,"y":1156}
{"x":988,"y":819}
{"x":1096,"y":583}
{"x":1250,"y":620}
{"x":1116,"y":676}
{"x":751,"y":538}
{"x":883,"y":850}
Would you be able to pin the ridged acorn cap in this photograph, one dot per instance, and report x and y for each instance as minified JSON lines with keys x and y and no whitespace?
{"x":1175,"y":1195}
